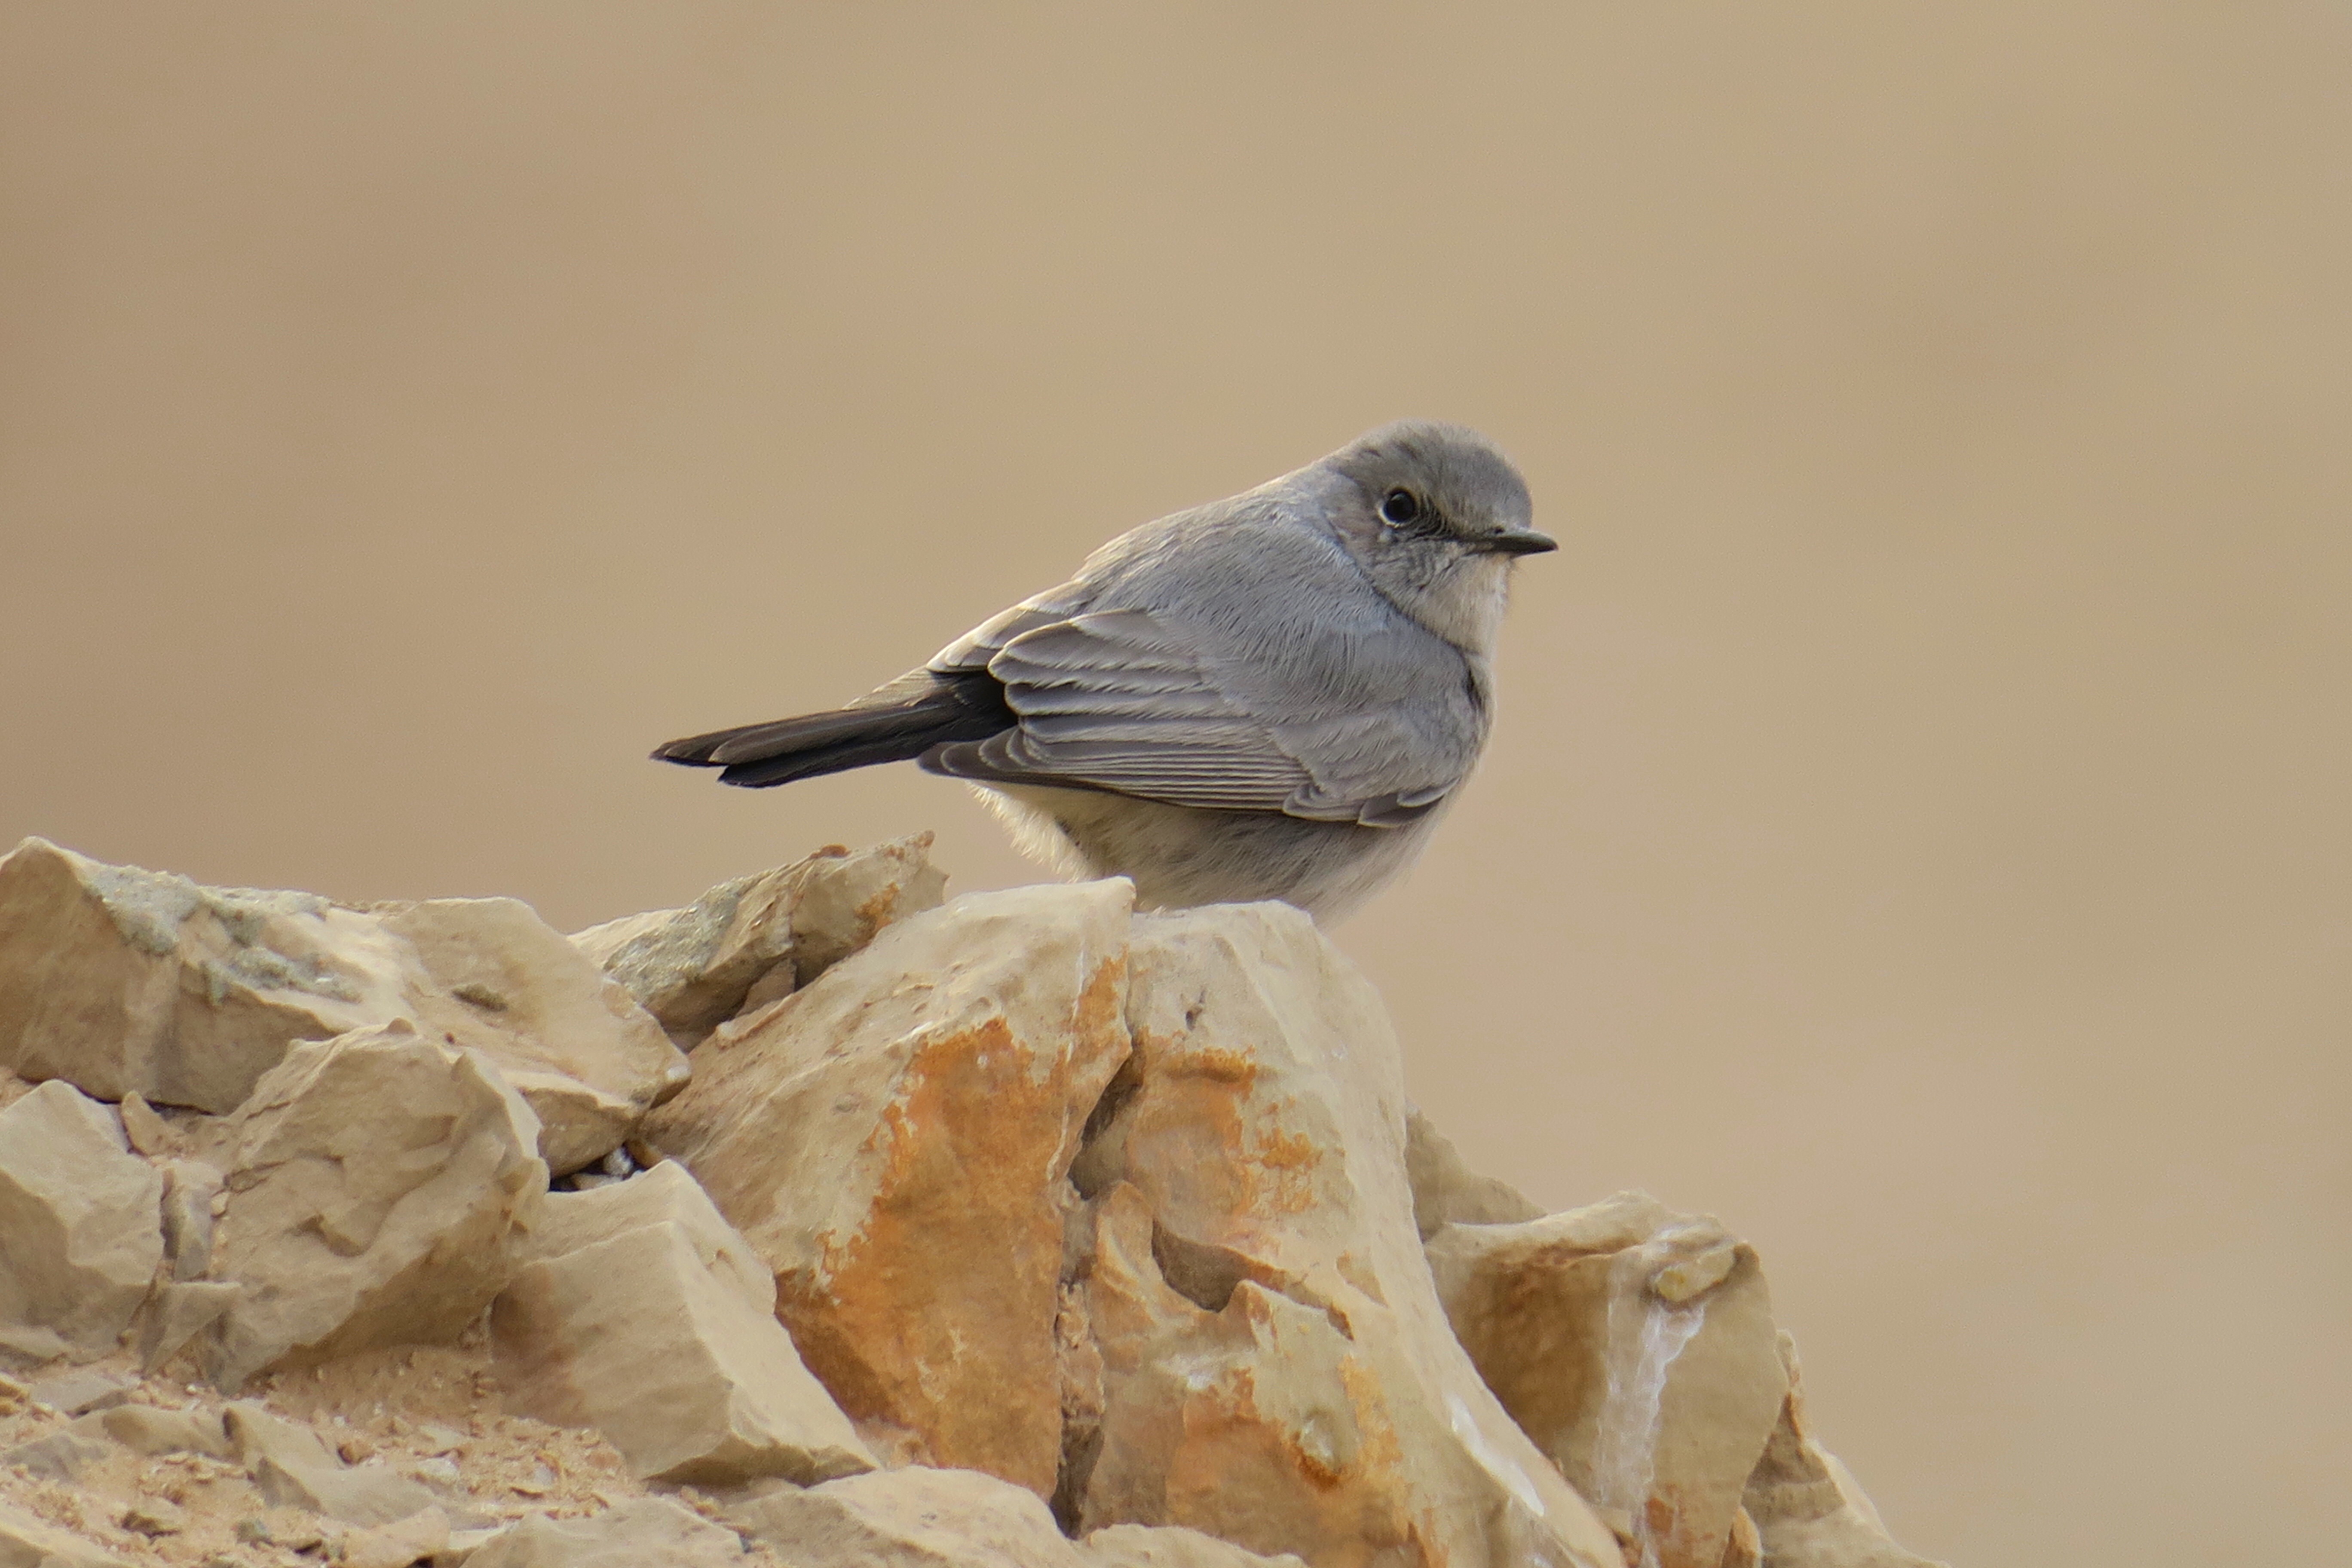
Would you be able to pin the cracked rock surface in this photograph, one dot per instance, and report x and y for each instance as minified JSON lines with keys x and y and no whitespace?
{"x":820,"y":1222}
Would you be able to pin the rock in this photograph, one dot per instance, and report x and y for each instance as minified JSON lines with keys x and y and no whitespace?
{"x":656,"y":1324}
{"x":80,"y":1231}
{"x":695,"y":968}
{"x":147,"y":1430}
{"x":1171,"y":1546}
{"x":177,"y":1312}
{"x":156,"y":1516}
{"x":907,"y":1519}
{"x":1807,"y":1510}
{"x":463,"y":1544}
{"x":397,"y":1545}
{"x":1446,"y":1191}
{"x":26,"y":1542}
{"x":149,"y":1134}
{"x":125,"y":982}
{"x":73,"y":1392}
{"x":893,"y":1141}
{"x":1745,"y":1548}
{"x":1636,"y":1347}
{"x":373,"y":1184}
{"x":635,"y":1534}
{"x":1276,"y":1368}
{"x":189,"y":1188}
{"x":293,"y":1470}
{"x":847,"y":899}
{"x":578,"y":1049}
{"x":62,"y":1455}
{"x":666,"y":1193}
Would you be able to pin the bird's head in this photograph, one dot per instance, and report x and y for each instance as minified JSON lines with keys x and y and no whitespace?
{"x":1435,"y":515}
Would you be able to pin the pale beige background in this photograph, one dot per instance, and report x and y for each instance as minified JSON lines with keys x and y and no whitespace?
{"x":1918,"y":829}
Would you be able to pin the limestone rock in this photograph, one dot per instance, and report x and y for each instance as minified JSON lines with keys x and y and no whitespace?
{"x":695,"y":968}
{"x":375,"y":1181}
{"x":1636,"y":1347}
{"x":653,"y":1323}
{"x":81,"y":1223}
{"x":177,"y":1312}
{"x":1808,"y":1511}
{"x":577,"y":1047}
{"x":1447,"y":1190}
{"x":122,"y":981}
{"x":80,"y":1390}
{"x":144,"y":1429}
{"x":189,"y":1188}
{"x":893,"y":1142}
{"x":293,"y":1470}
{"x":908,"y":1518}
{"x":148,"y":1132}
{"x":635,"y":1534}
{"x":159,"y":1515}
{"x":397,"y":1545}
{"x":26,"y":1542}
{"x":1276,"y":1368}
{"x":62,"y":1455}
{"x":125,"y":982}
{"x":1171,"y":1546}
{"x":664,"y":1193}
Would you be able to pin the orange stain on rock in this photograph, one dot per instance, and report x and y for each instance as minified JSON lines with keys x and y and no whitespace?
{"x":945,"y":1299}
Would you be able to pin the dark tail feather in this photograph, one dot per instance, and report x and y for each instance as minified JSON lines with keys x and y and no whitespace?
{"x":962,"y":707}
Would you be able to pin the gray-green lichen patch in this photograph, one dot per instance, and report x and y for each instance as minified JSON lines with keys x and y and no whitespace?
{"x":680,"y":948}
{"x":151,"y":909}
{"x":147,"y":907}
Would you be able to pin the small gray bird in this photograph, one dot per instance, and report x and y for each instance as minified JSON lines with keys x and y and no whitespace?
{"x":1269,"y":697}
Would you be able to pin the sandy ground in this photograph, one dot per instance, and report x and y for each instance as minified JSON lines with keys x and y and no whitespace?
{"x":432,"y":1415}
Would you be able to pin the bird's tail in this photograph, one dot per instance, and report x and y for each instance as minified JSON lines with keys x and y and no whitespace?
{"x":904,"y":719}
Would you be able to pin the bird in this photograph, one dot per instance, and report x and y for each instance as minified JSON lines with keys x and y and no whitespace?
{"x":1270,"y":696}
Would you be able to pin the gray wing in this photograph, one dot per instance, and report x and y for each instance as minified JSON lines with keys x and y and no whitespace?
{"x":1362,"y":717}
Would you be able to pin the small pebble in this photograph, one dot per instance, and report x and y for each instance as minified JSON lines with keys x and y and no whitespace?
{"x":154,"y":1517}
{"x":148,"y":1133}
{"x":442,"y":1440}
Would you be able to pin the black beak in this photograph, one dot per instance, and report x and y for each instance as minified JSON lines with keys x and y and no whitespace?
{"x":1520,"y":542}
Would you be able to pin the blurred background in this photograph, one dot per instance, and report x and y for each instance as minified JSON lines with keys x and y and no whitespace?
{"x":1916,"y":829}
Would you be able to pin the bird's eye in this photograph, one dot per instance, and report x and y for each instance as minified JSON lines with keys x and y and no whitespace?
{"x":1401,"y":507}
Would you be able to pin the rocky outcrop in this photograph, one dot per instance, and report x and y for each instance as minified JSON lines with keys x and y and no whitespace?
{"x":1276,"y":1368}
{"x":894,"y":1143}
{"x":1020,"y":1231}
{"x":126,"y":981}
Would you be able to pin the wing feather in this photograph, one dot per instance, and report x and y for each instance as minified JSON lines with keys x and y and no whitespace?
{"x":1374,"y":727}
